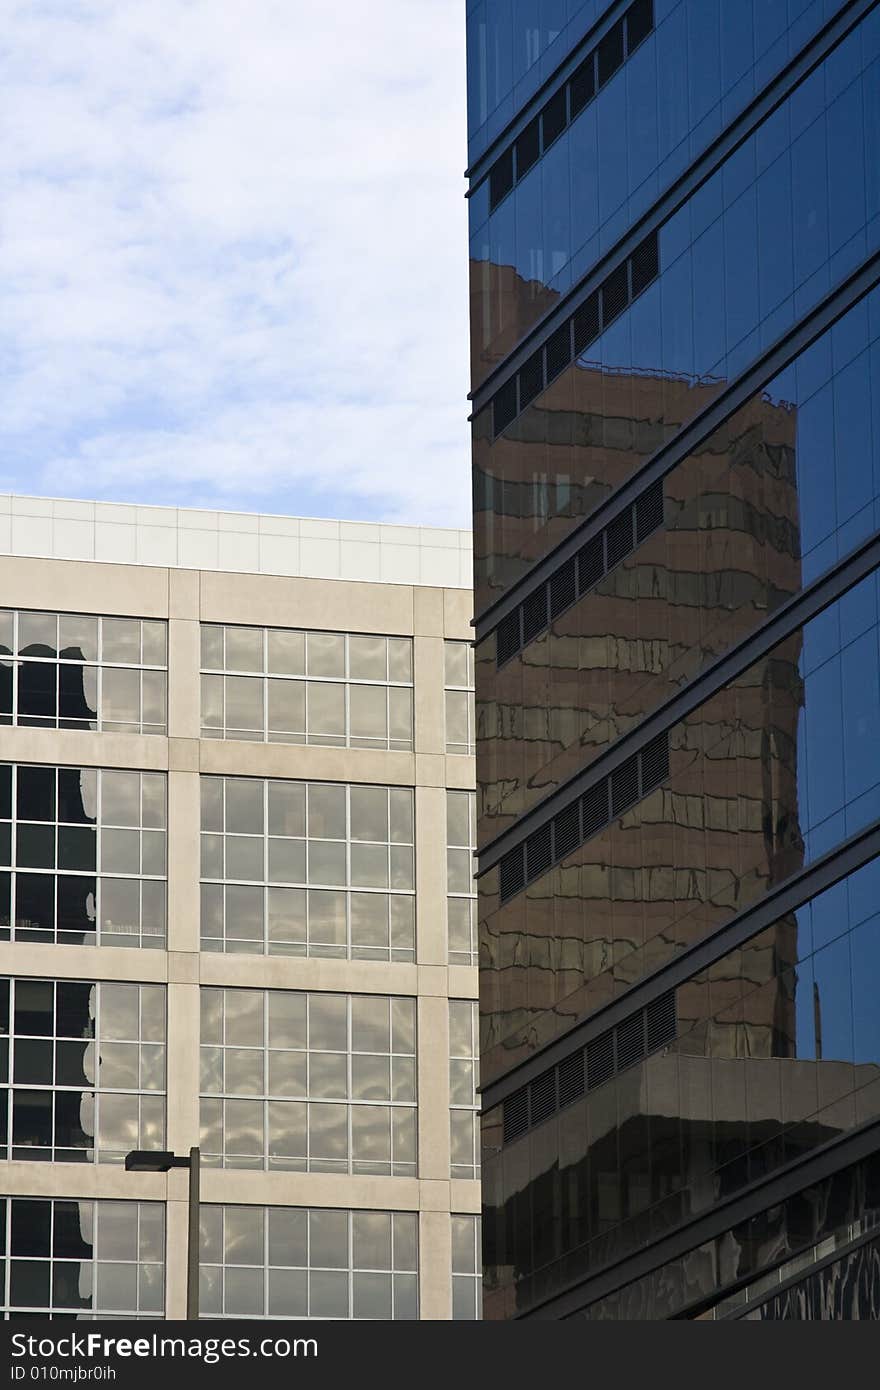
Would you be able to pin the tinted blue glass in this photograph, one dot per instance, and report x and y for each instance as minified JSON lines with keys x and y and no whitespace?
{"x":779,"y":1040}
{"x":660,"y":110}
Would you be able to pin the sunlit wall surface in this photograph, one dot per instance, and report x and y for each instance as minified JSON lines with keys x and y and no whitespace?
{"x":675,"y":340}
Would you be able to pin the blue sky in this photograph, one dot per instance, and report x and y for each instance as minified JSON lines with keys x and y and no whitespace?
{"x":233,"y":255}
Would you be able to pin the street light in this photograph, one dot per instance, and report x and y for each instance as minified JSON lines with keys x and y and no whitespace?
{"x":159,"y":1161}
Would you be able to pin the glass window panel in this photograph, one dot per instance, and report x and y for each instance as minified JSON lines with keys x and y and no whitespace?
{"x":327,"y":861}
{"x":286,"y":652}
{"x":121,"y":640}
{"x":372,"y":1296}
{"x":119,"y":1012}
{"x":244,"y":703}
{"x":38,"y":634}
{"x":287,"y":1020}
{"x":212,"y":702}
{"x":402,"y":867}
{"x":244,"y":649}
{"x":369,"y":919}
{"x":367,"y":658}
{"x":328,"y":1022}
{"x":325,"y":653}
{"x":287,"y":914}
{"x":287,"y":706}
{"x":327,"y":922}
{"x":326,"y":710}
{"x":403,"y":924}
{"x":328,"y":1132}
{"x":288,"y":1144}
{"x":326,"y":811}
{"x":369,"y":813}
{"x":154,"y":637}
{"x":368,"y":707}
{"x":369,"y":866}
{"x":288,"y":1293}
{"x":328,"y":1294}
{"x":370,"y":1024}
{"x":288,"y":1237}
{"x":243,"y":1291}
{"x":120,"y":798}
{"x":244,"y":857}
{"x":212,"y":647}
{"x":243,"y":1235}
{"x":287,"y":861}
{"x":370,"y":1137}
{"x":456,"y":663}
{"x":243,"y":1127}
{"x":328,"y":1075}
{"x":401,"y":807}
{"x":457,"y":702}
{"x":77,"y":637}
{"x":400,"y":716}
{"x":243,"y":1021}
{"x":400,"y":658}
{"x":120,"y":851}
{"x":287,"y":808}
{"x":244,"y":806}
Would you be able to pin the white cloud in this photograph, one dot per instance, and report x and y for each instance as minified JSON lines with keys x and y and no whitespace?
{"x":233,"y":253}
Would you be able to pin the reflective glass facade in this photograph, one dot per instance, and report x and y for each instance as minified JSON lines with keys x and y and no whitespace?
{"x":677,"y":506}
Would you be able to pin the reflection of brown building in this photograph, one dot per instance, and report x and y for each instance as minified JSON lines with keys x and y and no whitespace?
{"x":727,"y":555}
{"x":504,"y":307}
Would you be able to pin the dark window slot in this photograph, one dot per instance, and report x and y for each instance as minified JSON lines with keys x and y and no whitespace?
{"x":624,"y":786}
{"x":500,"y":178}
{"x":566,"y":831}
{"x":660,"y":1021}
{"x":649,"y":512}
{"x":531,"y":379}
{"x":655,"y":762}
{"x":582,"y":86}
{"x":538,"y":852}
{"x":619,"y":536}
{"x":571,"y":1080}
{"x":594,"y":808}
{"x":639,"y":23}
{"x":563,"y":588}
{"x":600,"y":1060}
{"x":615,"y":294}
{"x":586,"y":324}
{"x":554,"y":119}
{"x":630,"y":1041}
{"x":511,"y":874}
{"x":610,"y":53}
{"x":504,"y":410}
{"x":542,"y":1097}
{"x":507,"y":638}
{"x":645,"y":264}
{"x":558,"y":351}
{"x":516,"y":1115}
{"x":591,"y":563}
{"x":528,"y":149}
{"x":534,"y":611}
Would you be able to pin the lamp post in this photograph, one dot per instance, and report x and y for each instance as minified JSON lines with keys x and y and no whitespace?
{"x":159,"y":1161}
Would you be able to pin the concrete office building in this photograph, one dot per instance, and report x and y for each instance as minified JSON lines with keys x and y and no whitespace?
{"x":236,"y":910}
{"x":675,"y":347}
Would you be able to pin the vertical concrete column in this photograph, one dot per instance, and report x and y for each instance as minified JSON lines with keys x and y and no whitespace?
{"x":433,"y":1045}
{"x":183,"y":655}
{"x":176,"y":1232}
{"x":435,"y":1266}
{"x":430,"y":734}
{"x":431,"y":928}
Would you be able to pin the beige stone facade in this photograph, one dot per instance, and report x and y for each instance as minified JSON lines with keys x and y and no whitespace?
{"x":187,"y":598}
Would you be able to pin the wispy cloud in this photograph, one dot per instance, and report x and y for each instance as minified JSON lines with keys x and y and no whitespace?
{"x":233,"y":254}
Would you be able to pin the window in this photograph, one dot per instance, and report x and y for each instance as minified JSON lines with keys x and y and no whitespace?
{"x":307,"y":868}
{"x":309,"y":1082}
{"x":84,"y":1071}
{"x":464,"y":1078}
{"x":467,"y":1269}
{"x":279,"y":685}
{"x":77,"y":671}
{"x":293,"y":1262}
{"x":82,"y":856}
{"x":461,"y":888}
{"x":82,"y":1259}
{"x":459,"y":681}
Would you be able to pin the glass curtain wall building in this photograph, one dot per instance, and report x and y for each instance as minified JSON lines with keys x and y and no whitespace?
{"x":675,"y":348}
